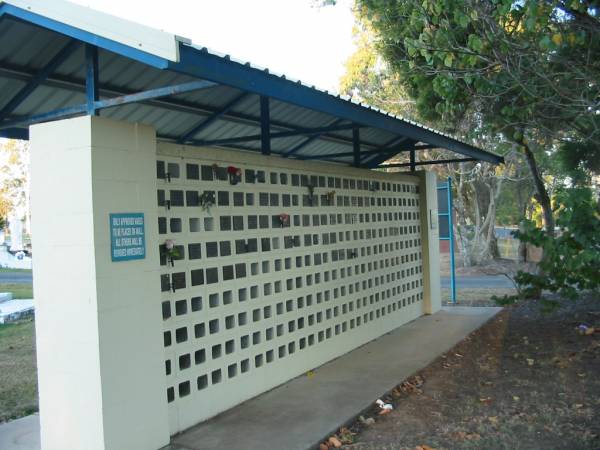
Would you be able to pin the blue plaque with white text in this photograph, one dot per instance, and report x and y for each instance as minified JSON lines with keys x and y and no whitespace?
{"x":127,"y":236}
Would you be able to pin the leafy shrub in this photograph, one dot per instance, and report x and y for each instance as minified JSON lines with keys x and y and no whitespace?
{"x":571,"y":259}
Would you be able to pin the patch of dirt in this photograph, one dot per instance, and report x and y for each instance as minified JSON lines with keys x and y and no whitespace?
{"x":526,"y":380}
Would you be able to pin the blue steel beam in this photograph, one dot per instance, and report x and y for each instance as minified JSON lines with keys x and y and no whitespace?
{"x":282,"y":134}
{"x":212,"y":119}
{"x":402,"y":145}
{"x":356,"y":146}
{"x":382,"y":152}
{"x":202,"y":64}
{"x":265,"y":125}
{"x":91,"y":78}
{"x":38,"y":79}
{"x":15,"y":133}
{"x":70,"y":111}
{"x":78,"y":85}
{"x":302,"y":145}
{"x":7,"y":10}
{"x":166,"y":137}
{"x":390,"y":145}
{"x":428,"y":163}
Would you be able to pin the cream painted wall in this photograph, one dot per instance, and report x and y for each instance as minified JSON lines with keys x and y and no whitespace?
{"x":431,"y":247}
{"x":358,"y":315}
{"x":99,"y":348}
{"x":101,"y":356}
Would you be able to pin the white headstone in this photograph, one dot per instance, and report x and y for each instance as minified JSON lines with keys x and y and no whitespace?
{"x":16,"y":233}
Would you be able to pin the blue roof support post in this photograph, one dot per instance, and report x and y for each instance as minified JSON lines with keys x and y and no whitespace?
{"x":413,"y":162}
{"x":356,"y":145}
{"x":91,"y":78}
{"x":39,"y":78}
{"x":265,"y":126}
{"x":451,"y":233}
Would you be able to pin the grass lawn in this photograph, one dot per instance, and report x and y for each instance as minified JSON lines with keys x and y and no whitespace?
{"x":18,"y":374}
{"x":7,"y":270}
{"x":19,"y":290}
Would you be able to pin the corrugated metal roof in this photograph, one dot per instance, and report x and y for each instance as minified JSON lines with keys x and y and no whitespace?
{"x":27,"y":47}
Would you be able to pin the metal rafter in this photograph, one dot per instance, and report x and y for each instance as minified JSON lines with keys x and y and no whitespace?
{"x":356,"y":146}
{"x":213,"y":118}
{"x":393,"y":143}
{"x":265,"y":125}
{"x":282,"y":134}
{"x":209,"y":66}
{"x":427,"y":163}
{"x":302,"y":145}
{"x":91,"y":78}
{"x":78,"y":85}
{"x":381,"y":152}
{"x":39,"y":78}
{"x":71,"y":111}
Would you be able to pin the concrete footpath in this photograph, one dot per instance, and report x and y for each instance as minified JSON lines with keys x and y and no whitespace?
{"x":298,"y":414}
{"x":21,"y":434}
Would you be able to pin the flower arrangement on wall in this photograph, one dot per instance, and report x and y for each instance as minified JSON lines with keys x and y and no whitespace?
{"x":171,"y":251}
{"x":235,"y":174}
{"x":284,"y":219}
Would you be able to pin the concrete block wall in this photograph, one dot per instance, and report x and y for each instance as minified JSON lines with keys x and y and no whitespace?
{"x":99,"y":348}
{"x":250,"y":303}
{"x":136,"y":351}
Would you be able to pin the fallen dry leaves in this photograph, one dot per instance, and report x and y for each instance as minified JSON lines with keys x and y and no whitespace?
{"x":464,"y":436}
{"x":346,"y":436}
{"x":334,"y":442}
{"x":412,"y":385}
{"x":486,"y":400}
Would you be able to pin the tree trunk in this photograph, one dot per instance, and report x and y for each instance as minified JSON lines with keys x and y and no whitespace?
{"x":461,"y":220}
{"x":541,"y":193}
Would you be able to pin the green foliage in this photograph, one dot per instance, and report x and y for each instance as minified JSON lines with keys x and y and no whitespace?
{"x":577,"y":160}
{"x":523,"y":68}
{"x":368,"y":79}
{"x":508,"y":212}
{"x":571,"y":261}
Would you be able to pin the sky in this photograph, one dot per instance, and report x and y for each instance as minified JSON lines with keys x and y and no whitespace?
{"x":287,"y":36}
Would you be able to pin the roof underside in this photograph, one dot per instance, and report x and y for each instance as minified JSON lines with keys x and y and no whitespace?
{"x":47,"y":62}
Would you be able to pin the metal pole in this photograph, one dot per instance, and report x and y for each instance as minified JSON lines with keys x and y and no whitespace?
{"x":356,"y":145}
{"x":451,"y":235}
{"x":91,"y":78}
{"x":265,"y":125}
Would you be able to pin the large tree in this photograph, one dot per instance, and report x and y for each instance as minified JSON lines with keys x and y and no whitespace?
{"x":477,"y":186}
{"x":527,"y":70}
